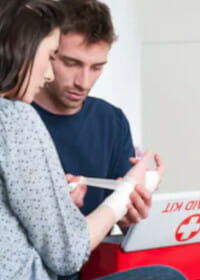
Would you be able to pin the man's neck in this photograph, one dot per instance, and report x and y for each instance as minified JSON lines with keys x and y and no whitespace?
{"x":45,"y":100}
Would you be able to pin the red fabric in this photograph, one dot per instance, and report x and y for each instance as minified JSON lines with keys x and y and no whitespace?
{"x":108,"y":258}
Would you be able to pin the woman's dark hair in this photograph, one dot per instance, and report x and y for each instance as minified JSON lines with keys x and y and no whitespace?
{"x":23,"y":25}
{"x":90,"y":18}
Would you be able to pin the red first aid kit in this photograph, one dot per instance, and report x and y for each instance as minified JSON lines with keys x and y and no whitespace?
{"x":109,"y":258}
{"x":169,"y":236}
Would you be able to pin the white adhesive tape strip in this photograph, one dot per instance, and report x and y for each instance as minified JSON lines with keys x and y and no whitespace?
{"x":151,"y":182}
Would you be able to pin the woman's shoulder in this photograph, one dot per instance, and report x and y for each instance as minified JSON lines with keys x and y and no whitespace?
{"x":20,"y":123}
{"x":16,"y":113}
{"x":12,"y":107}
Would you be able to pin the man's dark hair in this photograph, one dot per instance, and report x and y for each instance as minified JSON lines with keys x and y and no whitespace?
{"x":23,"y":25}
{"x":90,"y":18}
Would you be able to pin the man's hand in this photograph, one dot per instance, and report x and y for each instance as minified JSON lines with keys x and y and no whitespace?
{"x":80,"y":191}
{"x":140,"y":198}
{"x":138,"y":208}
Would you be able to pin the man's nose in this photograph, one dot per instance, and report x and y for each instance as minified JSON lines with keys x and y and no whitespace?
{"x":82,"y":80}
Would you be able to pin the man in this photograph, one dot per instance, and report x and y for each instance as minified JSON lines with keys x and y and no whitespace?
{"x":92,"y":136}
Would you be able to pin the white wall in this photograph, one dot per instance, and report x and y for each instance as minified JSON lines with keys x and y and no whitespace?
{"x":171,"y":87}
{"x":120,"y":82}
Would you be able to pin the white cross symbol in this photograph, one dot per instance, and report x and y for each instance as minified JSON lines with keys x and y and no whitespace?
{"x":187,"y":229}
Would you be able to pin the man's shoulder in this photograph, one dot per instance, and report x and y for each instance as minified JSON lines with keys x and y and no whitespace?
{"x":108,"y":111}
{"x":103,"y":106}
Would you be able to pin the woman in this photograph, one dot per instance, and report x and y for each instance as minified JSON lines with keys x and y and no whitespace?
{"x":42,"y":233}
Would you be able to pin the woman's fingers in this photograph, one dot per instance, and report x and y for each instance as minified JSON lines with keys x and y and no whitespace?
{"x":160,"y":167}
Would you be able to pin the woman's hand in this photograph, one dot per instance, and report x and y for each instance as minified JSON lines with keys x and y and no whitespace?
{"x":140,"y":176}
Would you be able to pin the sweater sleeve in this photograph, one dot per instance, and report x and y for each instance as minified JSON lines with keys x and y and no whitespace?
{"x":38,"y":194}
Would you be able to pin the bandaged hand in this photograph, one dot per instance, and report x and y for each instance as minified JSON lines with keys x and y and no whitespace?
{"x":138,"y":174}
{"x":152,"y":178}
{"x":138,"y":208}
{"x":119,"y":199}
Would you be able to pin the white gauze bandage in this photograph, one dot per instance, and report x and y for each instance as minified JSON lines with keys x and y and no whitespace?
{"x":152,"y":179}
{"x":119,"y":199}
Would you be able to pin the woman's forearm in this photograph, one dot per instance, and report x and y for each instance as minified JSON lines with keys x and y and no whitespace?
{"x":114,"y":207}
{"x":100,"y":221}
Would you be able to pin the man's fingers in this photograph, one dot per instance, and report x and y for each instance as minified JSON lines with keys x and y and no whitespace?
{"x":124,"y":223}
{"x":72,"y":178}
{"x":78,"y":195}
{"x":138,"y":205}
{"x":79,"y":191}
{"x":145,"y":194}
{"x":69,"y":176}
{"x":132,"y":216}
{"x":133,"y":160}
{"x":119,"y":178}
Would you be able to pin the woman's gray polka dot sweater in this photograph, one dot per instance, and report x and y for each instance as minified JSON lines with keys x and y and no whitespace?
{"x":42,"y":233}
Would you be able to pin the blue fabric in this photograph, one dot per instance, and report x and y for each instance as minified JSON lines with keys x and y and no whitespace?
{"x":143,"y":273}
{"x":94,"y":142}
{"x":147,"y":273}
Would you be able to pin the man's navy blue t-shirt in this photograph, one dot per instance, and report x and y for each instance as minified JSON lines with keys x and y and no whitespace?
{"x":94,"y":142}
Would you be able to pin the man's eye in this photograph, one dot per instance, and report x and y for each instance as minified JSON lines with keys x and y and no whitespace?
{"x":70,"y":64}
{"x":98,"y":68}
